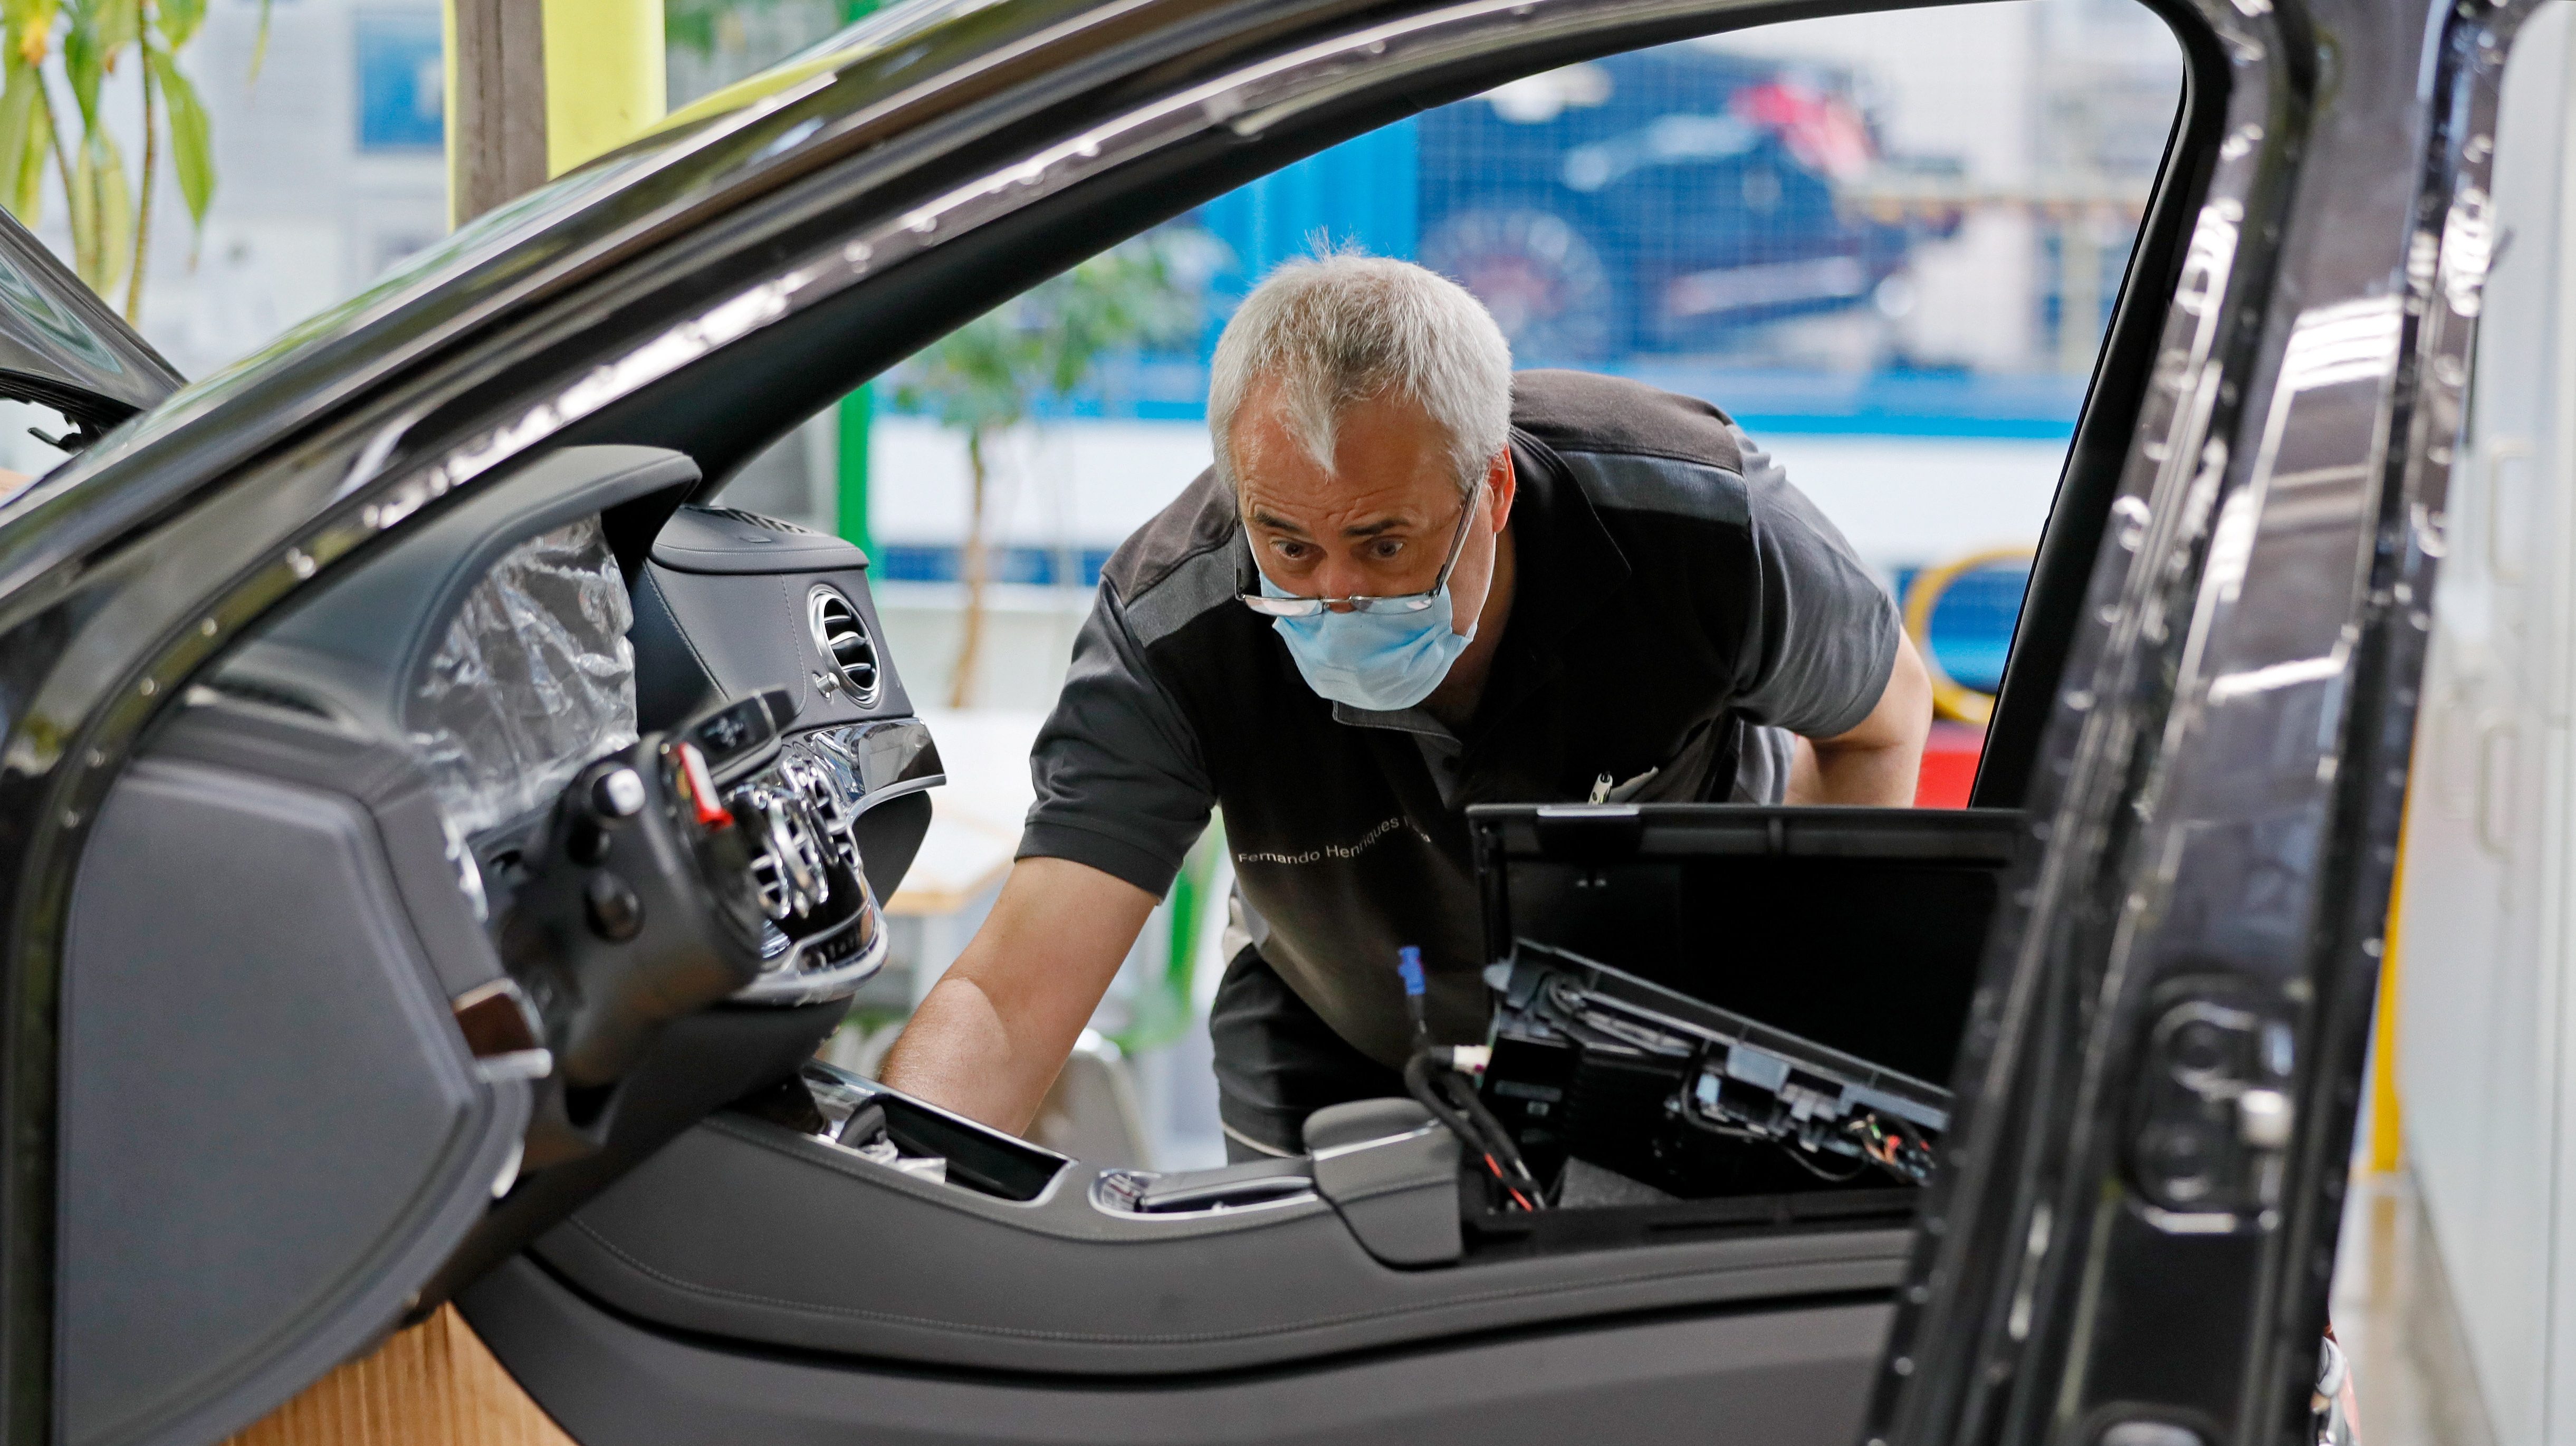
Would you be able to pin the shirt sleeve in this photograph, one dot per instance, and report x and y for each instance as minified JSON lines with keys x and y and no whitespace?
{"x":1823,"y":634}
{"x":1121,"y":784}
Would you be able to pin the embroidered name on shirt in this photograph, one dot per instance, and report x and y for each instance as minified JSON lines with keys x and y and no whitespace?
{"x":1328,"y":851}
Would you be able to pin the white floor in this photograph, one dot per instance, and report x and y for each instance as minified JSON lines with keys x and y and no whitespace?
{"x":2393,"y":1314}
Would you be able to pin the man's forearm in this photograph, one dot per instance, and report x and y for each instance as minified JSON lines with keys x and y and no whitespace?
{"x":1884,"y":776}
{"x":958,"y":1051}
{"x":992,"y":1034}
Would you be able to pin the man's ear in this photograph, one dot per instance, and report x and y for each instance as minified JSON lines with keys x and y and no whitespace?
{"x":1504,"y":484}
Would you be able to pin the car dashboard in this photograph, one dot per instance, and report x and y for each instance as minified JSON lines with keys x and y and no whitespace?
{"x":515,"y":851}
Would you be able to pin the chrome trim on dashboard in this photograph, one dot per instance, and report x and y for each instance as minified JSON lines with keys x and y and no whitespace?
{"x":894,"y":791}
{"x":834,"y":774}
{"x":886,"y":757}
{"x":785,"y":981}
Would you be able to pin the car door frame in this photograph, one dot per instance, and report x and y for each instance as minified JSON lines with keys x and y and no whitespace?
{"x":2221,"y":785}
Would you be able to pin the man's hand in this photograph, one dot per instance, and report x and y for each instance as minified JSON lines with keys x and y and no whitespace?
{"x":1880,"y":761}
{"x":991,"y":1036}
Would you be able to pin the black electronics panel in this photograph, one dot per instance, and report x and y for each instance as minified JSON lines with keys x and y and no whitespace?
{"x":1861,"y":929}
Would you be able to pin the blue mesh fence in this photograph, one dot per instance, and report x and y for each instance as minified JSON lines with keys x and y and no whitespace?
{"x":1743,"y":228}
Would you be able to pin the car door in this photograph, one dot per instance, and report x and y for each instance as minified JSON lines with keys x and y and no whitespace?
{"x":2133,"y":1238}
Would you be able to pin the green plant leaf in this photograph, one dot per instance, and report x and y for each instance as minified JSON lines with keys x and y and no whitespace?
{"x":116,"y":23}
{"x":1047,"y":342}
{"x":80,"y":198}
{"x":30,"y":200}
{"x":259,"y":42}
{"x":30,"y":26}
{"x":100,"y":189}
{"x":115,"y":214}
{"x":178,"y":20}
{"x":85,"y":66}
{"x":22,"y":149}
{"x":192,"y":152}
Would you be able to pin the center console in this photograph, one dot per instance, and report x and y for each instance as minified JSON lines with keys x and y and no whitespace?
{"x":859,"y":1222}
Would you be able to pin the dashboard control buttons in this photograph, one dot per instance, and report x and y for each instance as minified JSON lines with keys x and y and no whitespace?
{"x":618,"y":793}
{"x":615,"y":913}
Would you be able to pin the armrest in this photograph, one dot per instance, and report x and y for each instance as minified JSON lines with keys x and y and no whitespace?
{"x":1392,"y":1172}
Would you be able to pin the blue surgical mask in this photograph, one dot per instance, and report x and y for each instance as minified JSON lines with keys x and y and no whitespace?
{"x":1378,"y":661}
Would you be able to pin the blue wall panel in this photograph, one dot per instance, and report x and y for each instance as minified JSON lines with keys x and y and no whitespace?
{"x":1365,"y":192}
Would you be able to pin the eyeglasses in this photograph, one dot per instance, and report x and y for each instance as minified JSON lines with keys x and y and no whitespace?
{"x":1410,"y":602}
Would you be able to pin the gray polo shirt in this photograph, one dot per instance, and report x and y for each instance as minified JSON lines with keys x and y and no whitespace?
{"x":1680,"y":611}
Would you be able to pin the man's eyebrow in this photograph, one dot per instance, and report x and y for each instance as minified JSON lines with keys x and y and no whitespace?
{"x":1365,"y":529}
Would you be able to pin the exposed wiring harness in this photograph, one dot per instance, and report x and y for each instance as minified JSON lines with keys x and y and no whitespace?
{"x":1874,"y":1138}
{"x":1892,"y":1145}
{"x":1433,"y":1077}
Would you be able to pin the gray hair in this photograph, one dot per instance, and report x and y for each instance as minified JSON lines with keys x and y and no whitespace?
{"x":1337,"y":329}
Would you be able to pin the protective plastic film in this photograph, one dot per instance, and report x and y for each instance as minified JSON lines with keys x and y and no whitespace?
{"x":534,"y":679}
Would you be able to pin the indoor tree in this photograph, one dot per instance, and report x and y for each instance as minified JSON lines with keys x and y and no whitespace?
{"x":75,"y":45}
{"x":990,"y":375}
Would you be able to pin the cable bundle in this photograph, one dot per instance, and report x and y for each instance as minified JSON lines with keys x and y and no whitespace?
{"x":1432,"y":1077}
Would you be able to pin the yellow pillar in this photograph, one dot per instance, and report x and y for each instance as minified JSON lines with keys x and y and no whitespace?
{"x":604,"y":77}
{"x":2387,"y":1142}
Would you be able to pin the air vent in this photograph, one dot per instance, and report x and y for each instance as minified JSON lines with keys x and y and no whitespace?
{"x":823,"y":802}
{"x":843,"y":639}
{"x":788,"y":861}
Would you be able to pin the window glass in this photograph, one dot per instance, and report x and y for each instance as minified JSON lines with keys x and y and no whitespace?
{"x":1886,"y":245}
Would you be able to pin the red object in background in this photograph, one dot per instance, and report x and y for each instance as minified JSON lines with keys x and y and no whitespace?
{"x":1821,"y":129}
{"x":1949,"y":765}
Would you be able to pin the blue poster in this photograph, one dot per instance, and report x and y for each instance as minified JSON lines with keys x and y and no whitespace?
{"x":402,"y":81}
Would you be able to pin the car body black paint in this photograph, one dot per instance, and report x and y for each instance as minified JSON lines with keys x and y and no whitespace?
{"x":132,"y":565}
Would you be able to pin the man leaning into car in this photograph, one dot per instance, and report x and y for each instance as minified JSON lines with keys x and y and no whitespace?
{"x":1412,"y":581}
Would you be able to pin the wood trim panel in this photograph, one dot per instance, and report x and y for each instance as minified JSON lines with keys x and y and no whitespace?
{"x":432,"y":1385}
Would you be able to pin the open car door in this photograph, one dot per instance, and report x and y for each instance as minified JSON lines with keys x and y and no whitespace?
{"x":2132,"y":1238}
